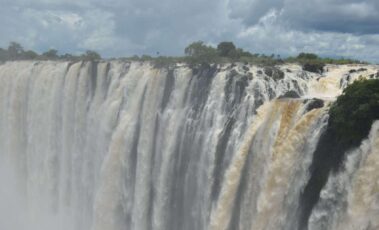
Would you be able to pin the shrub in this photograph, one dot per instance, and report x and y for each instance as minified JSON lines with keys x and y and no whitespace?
{"x":307,"y":56}
{"x":351,"y":116}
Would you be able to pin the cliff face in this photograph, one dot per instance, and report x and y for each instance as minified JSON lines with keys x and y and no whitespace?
{"x":120,"y":145}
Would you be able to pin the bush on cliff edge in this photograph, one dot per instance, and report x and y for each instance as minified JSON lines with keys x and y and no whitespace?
{"x":352,"y":115}
{"x":350,"y":120}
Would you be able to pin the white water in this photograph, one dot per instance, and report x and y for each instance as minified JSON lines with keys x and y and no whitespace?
{"x":350,"y":200}
{"x":119,"y":145}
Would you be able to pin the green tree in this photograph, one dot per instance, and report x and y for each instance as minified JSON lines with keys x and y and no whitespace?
{"x":3,"y":54}
{"x":15,"y":50}
{"x":198,"y":49}
{"x":30,"y":54}
{"x":199,"y":52}
{"x":227,"y":49}
{"x":51,"y":54}
{"x":91,"y":55}
{"x":351,"y":116}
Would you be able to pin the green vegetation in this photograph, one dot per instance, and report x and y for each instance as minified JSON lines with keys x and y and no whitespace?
{"x":196,"y":53}
{"x":16,"y":52}
{"x":227,"y":52}
{"x":313,"y":63}
{"x":352,"y":115}
{"x":350,"y":120}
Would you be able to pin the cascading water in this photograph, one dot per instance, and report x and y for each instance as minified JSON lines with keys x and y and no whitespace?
{"x":350,"y":199}
{"x":118,"y":145}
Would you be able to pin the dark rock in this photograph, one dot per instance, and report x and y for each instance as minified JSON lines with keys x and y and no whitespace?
{"x":357,"y":70}
{"x":326,"y":156}
{"x":235,"y":90}
{"x":313,"y":103}
{"x":233,"y":73}
{"x":303,"y":75}
{"x":168,"y":88}
{"x":289,"y":94}
{"x":273,"y":72}
{"x":352,"y":71}
{"x":250,"y":76}
{"x":314,"y":67}
{"x":259,"y":72}
{"x":296,"y":86}
{"x":268,"y":71}
{"x":200,"y":88}
{"x":279,"y":75}
{"x":196,"y":69}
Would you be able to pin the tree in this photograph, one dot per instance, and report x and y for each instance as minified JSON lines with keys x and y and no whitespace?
{"x":243,"y":53}
{"x":227,"y":49}
{"x":199,"y":52}
{"x":15,"y":50}
{"x":3,"y":54}
{"x":91,"y":55}
{"x":30,"y":54}
{"x":197,"y":49}
{"x":51,"y":54}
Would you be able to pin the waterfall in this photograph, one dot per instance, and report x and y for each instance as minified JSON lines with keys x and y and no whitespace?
{"x":281,"y":143}
{"x":350,"y":198}
{"x":129,"y":145}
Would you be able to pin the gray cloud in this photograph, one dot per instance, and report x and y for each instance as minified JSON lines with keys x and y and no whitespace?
{"x":125,"y":27}
{"x":346,"y":16}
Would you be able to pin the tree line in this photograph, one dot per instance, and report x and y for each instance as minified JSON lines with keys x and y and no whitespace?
{"x":226,"y":52}
{"x":195,"y":53}
{"x":200,"y":53}
{"x":16,"y":52}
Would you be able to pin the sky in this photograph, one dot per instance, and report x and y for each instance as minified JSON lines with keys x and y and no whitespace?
{"x":115,"y":28}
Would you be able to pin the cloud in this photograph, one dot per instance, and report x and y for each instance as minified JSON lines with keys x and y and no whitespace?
{"x":126,"y":27}
{"x":251,"y":11}
{"x":345,"y":16}
{"x":268,"y":34}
